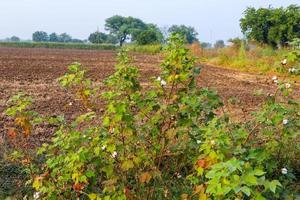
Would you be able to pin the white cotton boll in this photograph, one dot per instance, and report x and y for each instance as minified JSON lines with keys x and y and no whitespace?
{"x":284,"y":61}
{"x":70,"y":104}
{"x":292,"y":70}
{"x":163,"y":83}
{"x":284,"y":170}
{"x":198,"y":141}
{"x":114,"y":154}
{"x":287,"y":86}
{"x":36,"y":195}
{"x":103,"y":147}
{"x":158,"y":78}
{"x":274,"y":78}
{"x":285,"y":121}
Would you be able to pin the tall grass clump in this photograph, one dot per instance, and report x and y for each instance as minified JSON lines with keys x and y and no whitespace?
{"x":261,"y":59}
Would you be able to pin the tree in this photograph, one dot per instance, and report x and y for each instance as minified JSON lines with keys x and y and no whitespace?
{"x":273,"y":26}
{"x":15,"y":39}
{"x":236,"y":42}
{"x":98,"y":37}
{"x":40,"y":36}
{"x":124,"y":27}
{"x":76,"y":40}
{"x":205,"y":45}
{"x":64,"y":37}
{"x":187,"y":31}
{"x":147,"y":37}
{"x":158,"y":32}
{"x":53,"y":37}
{"x":111,"y":39}
{"x":219,"y":44}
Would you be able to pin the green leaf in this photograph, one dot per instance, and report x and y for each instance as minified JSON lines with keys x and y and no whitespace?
{"x":246,"y":190}
{"x":273,"y":185}
{"x":94,"y":196}
{"x":197,"y":70}
{"x":259,"y":172}
{"x":106,"y":122}
{"x":90,"y":174}
{"x":128,"y":164}
{"x":250,"y":179}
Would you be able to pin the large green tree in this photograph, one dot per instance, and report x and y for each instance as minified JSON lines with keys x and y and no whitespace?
{"x":64,"y":37}
{"x":124,"y":28}
{"x":97,"y":37}
{"x":53,"y":37}
{"x":187,"y":31}
{"x":273,"y":26}
{"x":15,"y":39}
{"x":40,"y":36}
{"x":152,"y":35}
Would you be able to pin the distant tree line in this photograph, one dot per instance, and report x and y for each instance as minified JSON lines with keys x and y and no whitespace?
{"x":12,"y":39}
{"x":271,"y":26}
{"x":41,"y":36}
{"x":121,"y":29}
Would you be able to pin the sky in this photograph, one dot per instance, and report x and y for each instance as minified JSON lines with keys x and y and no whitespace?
{"x":213,"y":19}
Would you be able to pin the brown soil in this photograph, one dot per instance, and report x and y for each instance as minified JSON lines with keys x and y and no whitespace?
{"x":35,"y":71}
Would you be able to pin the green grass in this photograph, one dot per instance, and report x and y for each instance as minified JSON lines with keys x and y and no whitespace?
{"x":58,"y":45}
{"x":148,"y":49}
{"x":262,"y":60}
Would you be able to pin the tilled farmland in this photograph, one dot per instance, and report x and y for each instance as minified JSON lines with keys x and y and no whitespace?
{"x":35,"y":72}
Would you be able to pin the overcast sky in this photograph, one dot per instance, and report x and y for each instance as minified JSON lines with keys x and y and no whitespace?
{"x":213,"y":19}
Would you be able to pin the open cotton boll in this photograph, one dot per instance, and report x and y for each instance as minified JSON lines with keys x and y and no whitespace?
{"x":284,"y":170}
{"x":163,"y":83}
{"x":284,"y":61}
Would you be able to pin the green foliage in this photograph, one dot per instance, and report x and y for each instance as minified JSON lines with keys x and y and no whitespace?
{"x":258,"y":59}
{"x":40,"y":36}
{"x":188,"y":32}
{"x":123,"y":27}
{"x":64,"y":37}
{"x":53,"y":37}
{"x":148,"y":49}
{"x":219,"y":44}
{"x":58,"y":45}
{"x":15,"y":39}
{"x":294,"y":58}
{"x":147,"y":37}
{"x":99,"y":37}
{"x":165,"y":142}
{"x":206,"y":45}
{"x":273,"y":26}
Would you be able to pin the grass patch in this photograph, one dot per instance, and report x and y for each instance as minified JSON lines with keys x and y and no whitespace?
{"x":148,"y":49}
{"x":260,"y":59}
{"x":58,"y":45}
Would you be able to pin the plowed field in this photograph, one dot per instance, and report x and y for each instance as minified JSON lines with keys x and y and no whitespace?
{"x":35,"y":71}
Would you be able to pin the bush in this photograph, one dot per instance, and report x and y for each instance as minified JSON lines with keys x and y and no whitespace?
{"x":164,"y":143}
